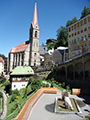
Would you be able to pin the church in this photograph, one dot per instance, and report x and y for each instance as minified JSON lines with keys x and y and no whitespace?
{"x":27,"y":53}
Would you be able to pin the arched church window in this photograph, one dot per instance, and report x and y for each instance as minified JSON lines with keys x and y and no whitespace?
{"x":35,"y":33}
{"x":35,"y":54}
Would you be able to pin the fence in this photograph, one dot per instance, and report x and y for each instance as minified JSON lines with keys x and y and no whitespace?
{"x":23,"y":115}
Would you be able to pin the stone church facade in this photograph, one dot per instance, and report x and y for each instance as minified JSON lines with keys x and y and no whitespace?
{"x":27,"y":53}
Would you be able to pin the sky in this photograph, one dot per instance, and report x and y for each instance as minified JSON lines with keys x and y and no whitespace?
{"x":16,"y":17}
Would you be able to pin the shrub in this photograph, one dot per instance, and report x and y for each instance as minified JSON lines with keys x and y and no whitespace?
{"x":0,"y":95}
{"x":43,"y":84}
{"x":25,"y":92}
{"x":14,"y":107}
{"x":15,"y":92}
{"x":63,"y":84}
{"x":3,"y":80}
{"x":13,"y":97}
{"x":67,"y":87}
{"x":51,"y":85}
{"x":36,"y":84}
{"x":47,"y":85}
{"x":52,"y":79}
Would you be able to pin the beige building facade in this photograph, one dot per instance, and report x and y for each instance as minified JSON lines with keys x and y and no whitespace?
{"x":79,"y":37}
{"x":27,"y":53}
{"x":1,"y":65}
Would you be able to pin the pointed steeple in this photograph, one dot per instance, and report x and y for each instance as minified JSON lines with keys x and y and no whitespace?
{"x":35,"y":19}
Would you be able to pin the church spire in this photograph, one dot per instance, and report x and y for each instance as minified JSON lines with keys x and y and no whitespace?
{"x":35,"y":19}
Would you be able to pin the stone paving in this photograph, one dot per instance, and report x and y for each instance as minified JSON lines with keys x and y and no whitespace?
{"x":44,"y":109}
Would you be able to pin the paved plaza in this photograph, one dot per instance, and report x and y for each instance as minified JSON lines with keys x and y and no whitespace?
{"x":44,"y":108}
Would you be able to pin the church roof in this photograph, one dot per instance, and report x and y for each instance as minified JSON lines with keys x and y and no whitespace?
{"x":20,"y":48}
{"x":1,"y":60}
{"x":35,"y":19}
{"x":42,"y":50}
{"x":22,"y":70}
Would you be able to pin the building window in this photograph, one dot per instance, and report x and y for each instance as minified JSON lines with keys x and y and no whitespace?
{"x":89,"y":28}
{"x":74,"y":41}
{"x":89,"y":43}
{"x":69,"y":29}
{"x":81,"y":38}
{"x":78,"y":39}
{"x":85,"y":29}
{"x":81,"y":31}
{"x":78,"y":46}
{"x":35,"y":33}
{"x":78,"y":32}
{"x":81,"y":23}
{"x":85,"y":21}
{"x":14,"y":85}
{"x":85,"y":45}
{"x":14,"y":79}
{"x":77,"y":25}
{"x":18,"y":79}
{"x":88,"y":35}
{"x":82,"y":46}
{"x":35,"y":54}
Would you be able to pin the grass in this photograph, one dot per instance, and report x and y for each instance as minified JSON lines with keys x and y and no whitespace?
{"x":21,"y":98}
{"x":17,"y":110}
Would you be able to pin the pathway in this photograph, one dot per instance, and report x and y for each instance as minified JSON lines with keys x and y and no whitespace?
{"x":4,"y":105}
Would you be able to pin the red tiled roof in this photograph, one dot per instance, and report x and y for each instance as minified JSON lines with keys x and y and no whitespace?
{"x":1,"y":60}
{"x":20,"y":48}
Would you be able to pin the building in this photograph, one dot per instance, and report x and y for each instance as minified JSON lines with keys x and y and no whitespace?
{"x":42,"y":51}
{"x":5,"y":65}
{"x":79,"y":37}
{"x":48,"y":57}
{"x":50,"y":40}
{"x":27,"y":53}
{"x":19,"y":77}
{"x":60,"y":55}
{"x":1,"y":65}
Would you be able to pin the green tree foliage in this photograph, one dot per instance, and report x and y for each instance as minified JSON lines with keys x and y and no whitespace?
{"x":62,"y":37}
{"x":13,"y":97}
{"x":0,"y":95}
{"x":36,"y":84}
{"x":2,"y":80}
{"x":6,"y":83}
{"x":50,"y":46}
{"x":2,"y":55}
{"x":85,"y":11}
{"x":25,"y":92}
{"x":69,"y":22}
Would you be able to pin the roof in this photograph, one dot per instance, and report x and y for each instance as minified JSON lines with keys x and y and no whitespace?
{"x":50,"y":39}
{"x":42,"y":50}
{"x":22,"y":70}
{"x":62,"y":48}
{"x":1,"y":60}
{"x":20,"y":48}
{"x":35,"y":19}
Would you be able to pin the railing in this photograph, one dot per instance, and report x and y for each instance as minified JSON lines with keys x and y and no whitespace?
{"x":23,"y":115}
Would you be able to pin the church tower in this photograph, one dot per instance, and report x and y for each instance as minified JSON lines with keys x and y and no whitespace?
{"x":34,"y":40}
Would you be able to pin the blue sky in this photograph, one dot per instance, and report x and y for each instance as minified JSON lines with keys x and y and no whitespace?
{"x":16,"y":17}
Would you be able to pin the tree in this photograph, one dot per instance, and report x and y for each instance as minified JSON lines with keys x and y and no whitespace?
{"x":69,"y":22}
{"x":50,"y":46}
{"x":36,"y":84}
{"x":62,"y":37}
{"x":2,"y":55}
{"x":85,"y":11}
